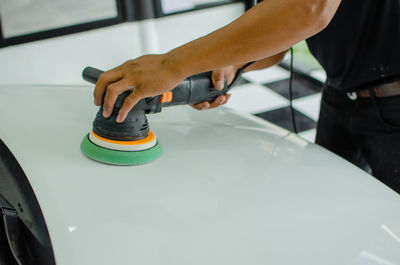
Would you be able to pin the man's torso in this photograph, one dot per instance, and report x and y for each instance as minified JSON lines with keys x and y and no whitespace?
{"x":361,"y":44}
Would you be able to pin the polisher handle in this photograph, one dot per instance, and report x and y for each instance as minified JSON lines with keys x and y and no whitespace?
{"x":199,"y":88}
{"x":194,"y":89}
{"x":91,"y":74}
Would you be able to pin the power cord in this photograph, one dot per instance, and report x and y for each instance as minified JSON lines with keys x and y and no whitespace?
{"x":291,"y":92}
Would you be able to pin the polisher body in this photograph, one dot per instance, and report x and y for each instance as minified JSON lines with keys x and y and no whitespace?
{"x":131,"y":142}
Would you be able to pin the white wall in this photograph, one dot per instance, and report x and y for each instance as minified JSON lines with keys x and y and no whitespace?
{"x":177,"y":30}
{"x":61,"y":60}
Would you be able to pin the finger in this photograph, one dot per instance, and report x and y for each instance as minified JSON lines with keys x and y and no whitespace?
{"x":112,"y":93}
{"x":128,"y":104}
{"x":218,"y":101}
{"x":218,"y":79}
{"x":103,"y":81}
{"x":201,"y":106}
{"x":227,"y":97}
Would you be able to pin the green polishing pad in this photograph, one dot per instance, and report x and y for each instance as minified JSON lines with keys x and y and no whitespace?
{"x":120,"y":158}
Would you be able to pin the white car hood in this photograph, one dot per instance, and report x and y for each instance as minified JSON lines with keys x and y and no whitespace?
{"x":229,"y":189}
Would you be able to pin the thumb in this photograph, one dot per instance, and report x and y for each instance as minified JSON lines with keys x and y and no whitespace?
{"x":218,"y":79}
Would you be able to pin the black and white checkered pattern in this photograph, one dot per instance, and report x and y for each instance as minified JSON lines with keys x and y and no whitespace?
{"x":265,"y":93}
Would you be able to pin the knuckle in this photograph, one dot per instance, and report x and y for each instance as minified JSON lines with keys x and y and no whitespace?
{"x":108,"y":103}
{"x":130,"y":79}
{"x":219,"y":74}
{"x":97,"y":93}
{"x":128,"y":64}
{"x":130,"y":100}
{"x":102,"y":77}
{"x":106,"y":107}
{"x":112,"y":89}
{"x":216,"y":73}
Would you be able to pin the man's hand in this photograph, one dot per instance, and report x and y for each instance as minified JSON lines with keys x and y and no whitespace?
{"x":146,"y":76}
{"x":218,"y":78}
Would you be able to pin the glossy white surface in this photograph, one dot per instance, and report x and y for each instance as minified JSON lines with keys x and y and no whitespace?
{"x":228,"y":190}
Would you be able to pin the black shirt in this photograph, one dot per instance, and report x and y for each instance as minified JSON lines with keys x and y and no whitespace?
{"x":361,"y":44}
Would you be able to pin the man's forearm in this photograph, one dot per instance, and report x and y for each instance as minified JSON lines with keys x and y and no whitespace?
{"x":269,"y":28}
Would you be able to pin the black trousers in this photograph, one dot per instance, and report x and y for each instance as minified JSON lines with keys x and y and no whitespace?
{"x":365,"y":130}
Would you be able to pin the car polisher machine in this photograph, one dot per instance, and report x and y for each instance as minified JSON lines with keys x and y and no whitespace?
{"x":132,"y":142}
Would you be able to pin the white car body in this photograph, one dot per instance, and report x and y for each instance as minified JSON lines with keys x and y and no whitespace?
{"x":229,"y":188}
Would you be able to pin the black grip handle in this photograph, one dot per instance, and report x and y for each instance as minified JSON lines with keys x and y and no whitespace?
{"x":195,"y":89}
{"x":91,"y":74}
{"x":199,"y":88}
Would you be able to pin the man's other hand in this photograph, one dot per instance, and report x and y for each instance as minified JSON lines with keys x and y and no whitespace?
{"x":218,"y":78}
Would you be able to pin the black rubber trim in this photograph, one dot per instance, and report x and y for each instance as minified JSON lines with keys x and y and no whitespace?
{"x":140,"y":10}
{"x":6,"y":253}
{"x":249,"y":3}
{"x":16,"y":190}
{"x":1,"y":34}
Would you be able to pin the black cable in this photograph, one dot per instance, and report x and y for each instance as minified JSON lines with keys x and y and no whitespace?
{"x":291,"y":91}
{"x":238,"y":75}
